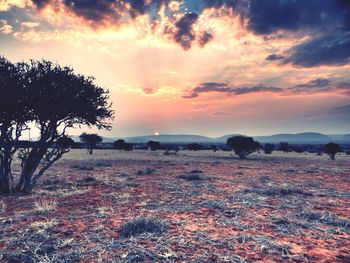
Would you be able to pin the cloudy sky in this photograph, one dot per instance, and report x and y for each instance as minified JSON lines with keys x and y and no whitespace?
{"x":209,"y":67}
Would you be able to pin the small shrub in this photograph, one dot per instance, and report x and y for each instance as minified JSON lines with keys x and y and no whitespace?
{"x":148,"y":171}
{"x":191,"y":177}
{"x":141,"y":226}
{"x":268,"y":148}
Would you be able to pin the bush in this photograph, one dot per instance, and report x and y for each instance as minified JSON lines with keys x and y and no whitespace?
{"x":268,"y":148}
{"x":122,"y":145}
{"x":284,"y":147}
{"x":194,"y":147}
{"x":191,"y":177}
{"x":153,"y":145}
{"x":242,"y":145}
{"x":332,"y":149}
{"x":142,"y":225}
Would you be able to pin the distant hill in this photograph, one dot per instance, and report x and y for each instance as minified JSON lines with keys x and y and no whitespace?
{"x":166,"y":138}
{"x":298,"y":138}
{"x":306,"y":137}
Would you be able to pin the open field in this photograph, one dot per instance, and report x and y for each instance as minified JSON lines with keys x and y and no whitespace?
{"x":205,"y":206}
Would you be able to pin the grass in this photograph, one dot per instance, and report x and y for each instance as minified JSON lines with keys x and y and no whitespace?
{"x":262,"y":212}
{"x":45,"y":206}
{"x":141,"y":226}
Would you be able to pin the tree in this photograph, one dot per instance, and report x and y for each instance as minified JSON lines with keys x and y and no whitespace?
{"x":14,"y":115}
{"x":284,"y":147}
{"x":119,"y":144}
{"x":58,"y":99}
{"x":268,"y":148}
{"x":128,"y":146}
{"x":242,"y":145}
{"x":194,"y":147}
{"x":332,"y":149}
{"x":122,"y":145}
{"x":153,"y":145}
{"x":90,"y":141}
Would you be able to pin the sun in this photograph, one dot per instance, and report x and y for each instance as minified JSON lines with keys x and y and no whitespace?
{"x":156,"y":133}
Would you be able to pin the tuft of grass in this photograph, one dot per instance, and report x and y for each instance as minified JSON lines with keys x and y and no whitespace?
{"x":191,"y":177}
{"x":324,"y":218}
{"x":141,"y":225}
{"x":45,"y":205}
{"x":278,"y":191}
{"x":147,"y":171}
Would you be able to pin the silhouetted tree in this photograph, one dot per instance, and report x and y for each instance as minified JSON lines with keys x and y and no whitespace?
{"x":194,"y":147}
{"x":284,"y":147}
{"x":119,"y":144}
{"x":153,"y":145}
{"x":122,"y":145}
{"x":58,"y":99}
{"x":332,"y":149}
{"x":14,"y":115}
{"x":242,"y":145}
{"x":268,"y":148}
{"x":90,"y":141}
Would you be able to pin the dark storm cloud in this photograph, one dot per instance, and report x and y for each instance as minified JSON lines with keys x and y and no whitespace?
{"x":225,"y":88}
{"x":112,"y":10}
{"x":324,"y":50}
{"x":184,"y":34}
{"x":326,"y":21}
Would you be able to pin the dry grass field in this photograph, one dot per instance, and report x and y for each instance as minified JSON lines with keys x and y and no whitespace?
{"x":201,"y":206}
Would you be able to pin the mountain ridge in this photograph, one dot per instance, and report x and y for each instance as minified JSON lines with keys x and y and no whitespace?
{"x":300,"y":138}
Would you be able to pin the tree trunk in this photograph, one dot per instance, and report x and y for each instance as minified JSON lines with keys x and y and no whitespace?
{"x":5,"y":171}
{"x":4,"y":184}
{"x":332,"y":156}
{"x":25,"y":183}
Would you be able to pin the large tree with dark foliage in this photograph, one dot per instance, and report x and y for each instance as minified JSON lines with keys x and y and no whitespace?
{"x":90,"y":140}
{"x":242,"y":145}
{"x":14,"y":116}
{"x":54,"y":99}
{"x":332,"y":149}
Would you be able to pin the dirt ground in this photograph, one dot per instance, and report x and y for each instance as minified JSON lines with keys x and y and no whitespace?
{"x":213,"y":206}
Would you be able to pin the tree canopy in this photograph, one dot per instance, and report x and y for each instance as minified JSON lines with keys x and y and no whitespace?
{"x":242,"y":145}
{"x":53,"y":99}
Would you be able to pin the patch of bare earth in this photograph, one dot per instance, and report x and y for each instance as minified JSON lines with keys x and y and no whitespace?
{"x":193,"y":207}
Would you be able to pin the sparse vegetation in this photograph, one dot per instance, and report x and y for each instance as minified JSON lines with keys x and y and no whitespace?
{"x":81,"y":215}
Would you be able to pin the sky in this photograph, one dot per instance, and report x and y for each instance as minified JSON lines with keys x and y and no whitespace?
{"x":208,"y":67}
